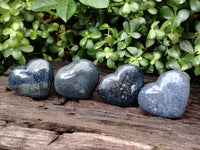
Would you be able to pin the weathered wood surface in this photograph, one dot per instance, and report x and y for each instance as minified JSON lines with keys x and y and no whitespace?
{"x":57,"y":123}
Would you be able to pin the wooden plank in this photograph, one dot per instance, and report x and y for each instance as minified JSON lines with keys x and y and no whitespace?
{"x":15,"y":137}
{"x":95,"y":118}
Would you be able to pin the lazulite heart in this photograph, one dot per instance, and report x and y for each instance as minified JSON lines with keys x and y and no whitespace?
{"x":122,"y":87}
{"x":77,"y":80}
{"x":167,"y":97}
{"x":33,"y":80}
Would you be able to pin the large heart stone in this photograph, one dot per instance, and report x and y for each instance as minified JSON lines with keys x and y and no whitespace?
{"x":77,"y":80}
{"x":167,"y":97}
{"x":122,"y":87}
{"x":33,"y":80}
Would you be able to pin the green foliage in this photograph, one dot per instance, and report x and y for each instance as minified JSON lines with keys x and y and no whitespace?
{"x":155,"y":35}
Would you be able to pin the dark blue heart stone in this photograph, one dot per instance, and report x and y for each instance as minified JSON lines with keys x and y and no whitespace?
{"x":77,"y":80}
{"x":167,"y":97}
{"x":122,"y":87}
{"x":33,"y":80}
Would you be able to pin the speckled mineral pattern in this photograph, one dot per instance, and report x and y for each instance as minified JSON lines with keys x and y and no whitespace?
{"x":122,"y":87}
{"x":167,"y":97}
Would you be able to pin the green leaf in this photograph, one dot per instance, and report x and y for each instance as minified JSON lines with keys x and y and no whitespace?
{"x":96,"y":4}
{"x":122,"y":35}
{"x":61,"y":53}
{"x":89,"y":44}
{"x":166,"y":12}
{"x":53,"y":27}
{"x":76,"y":57}
{"x":134,"y":25}
{"x":35,"y":24}
{"x":74,"y":48}
{"x":160,"y":67}
{"x":176,"y":21}
{"x":179,"y":2}
{"x":135,"y":35}
{"x":100,"y":56}
{"x":50,"y":40}
{"x":173,"y":65}
{"x":83,"y":41}
{"x":44,"y":34}
{"x":33,"y":35}
{"x":149,"y":43}
{"x":99,"y":44}
{"x":189,"y":57}
{"x":17,"y":54}
{"x":22,"y":61}
{"x":126,"y":27}
{"x":196,"y":61}
{"x":114,"y":56}
{"x":151,"y":35}
{"x":134,"y":6}
{"x":25,"y":41}
{"x":186,"y":46}
{"x":7,"y":52}
{"x":26,"y":49}
{"x":121,"y":45}
{"x":144,"y":62}
{"x":132,"y":50}
{"x":110,"y":63}
{"x":4,"y":5}
{"x":154,"y":24}
{"x":125,"y":9}
{"x":95,"y":35}
{"x":197,"y":26}
{"x":183,"y":14}
{"x":174,"y":37}
{"x":5,"y":17}
{"x":157,"y":55}
{"x":185,"y":65}
{"x":195,"y":5}
{"x":14,"y":12}
{"x":13,"y":42}
{"x":44,"y":5}
{"x":148,"y":56}
{"x":159,"y":34}
{"x":152,"y":10}
{"x":197,"y":71}
{"x":173,"y":52}
{"x":29,"y":4}
{"x":166,"y":24}
{"x":65,"y":9}
{"x":7,"y":31}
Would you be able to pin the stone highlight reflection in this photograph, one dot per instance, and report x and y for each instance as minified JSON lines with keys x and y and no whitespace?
{"x":33,"y":80}
{"x":77,"y":80}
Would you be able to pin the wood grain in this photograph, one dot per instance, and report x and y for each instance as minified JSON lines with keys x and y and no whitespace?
{"x":57,"y":123}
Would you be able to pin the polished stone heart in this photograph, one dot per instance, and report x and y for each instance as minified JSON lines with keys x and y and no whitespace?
{"x":167,"y":97}
{"x":122,"y":87}
{"x":33,"y":80}
{"x":77,"y":80}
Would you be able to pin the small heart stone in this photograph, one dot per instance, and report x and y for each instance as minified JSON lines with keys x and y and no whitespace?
{"x":167,"y":97}
{"x":33,"y":80}
{"x":121,"y":88}
{"x":77,"y":80}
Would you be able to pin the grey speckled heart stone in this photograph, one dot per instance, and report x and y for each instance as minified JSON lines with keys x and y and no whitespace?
{"x":33,"y":80}
{"x":77,"y":80}
{"x":167,"y":97}
{"x":122,"y":87}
